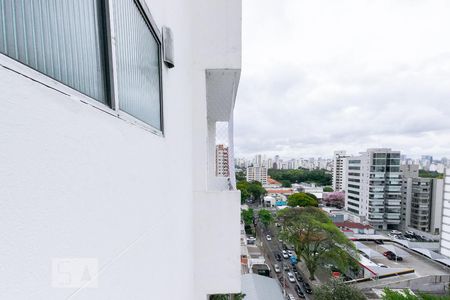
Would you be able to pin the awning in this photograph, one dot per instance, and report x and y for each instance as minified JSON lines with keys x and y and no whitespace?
{"x":429,"y":253}
{"x":445,"y":261}
{"x":360,"y":245}
{"x":371,"y":253}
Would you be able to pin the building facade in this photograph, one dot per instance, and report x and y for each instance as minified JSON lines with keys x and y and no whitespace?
{"x":222,"y":161}
{"x":445,"y":230}
{"x":338,"y":170}
{"x":373,"y":188}
{"x":257,"y":174}
{"x":421,"y":201}
{"x":109,"y":110}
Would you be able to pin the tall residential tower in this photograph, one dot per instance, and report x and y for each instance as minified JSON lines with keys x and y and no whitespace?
{"x":373,"y":188}
{"x":338,"y":170}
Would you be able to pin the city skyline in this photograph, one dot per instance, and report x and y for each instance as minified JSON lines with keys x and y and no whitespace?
{"x":324,"y":84}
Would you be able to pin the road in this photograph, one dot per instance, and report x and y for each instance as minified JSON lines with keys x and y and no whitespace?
{"x":272,"y":247}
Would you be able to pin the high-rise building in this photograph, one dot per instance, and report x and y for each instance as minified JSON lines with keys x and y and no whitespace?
{"x":338,"y":170}
{"x":421,"y":201}
{"x":222,"y":161}
{"x":373,"y":188}
{"x":445,"y":230}
{"x":101,"y":127}
{"x":257,"y":174}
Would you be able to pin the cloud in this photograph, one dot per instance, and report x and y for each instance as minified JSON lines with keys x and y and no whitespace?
{"x":324,"y":75}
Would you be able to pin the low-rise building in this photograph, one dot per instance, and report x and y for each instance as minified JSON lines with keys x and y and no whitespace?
{"x":257,"y":173}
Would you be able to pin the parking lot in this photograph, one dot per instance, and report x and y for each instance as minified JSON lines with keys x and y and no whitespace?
{"x":421,"y":265}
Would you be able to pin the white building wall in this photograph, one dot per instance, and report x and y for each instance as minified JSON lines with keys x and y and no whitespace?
{"x":78,"y":182}
{"x":445,"y":230}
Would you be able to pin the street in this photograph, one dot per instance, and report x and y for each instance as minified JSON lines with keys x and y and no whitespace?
{"x":270,"y":248}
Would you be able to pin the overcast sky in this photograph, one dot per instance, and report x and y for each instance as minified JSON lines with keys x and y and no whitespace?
{"x":325,"y":75}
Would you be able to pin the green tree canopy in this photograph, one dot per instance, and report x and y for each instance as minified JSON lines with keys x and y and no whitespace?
{"x":337,"y":290}
{"x":265,"y":216}
{"x":302,"y":199}
{"x":407,"y":295}
{"x":256,"y":190}
{"x":240,"y":176}
{"x":243,"y":187}
{"x":319,"y":177}
{"x":328,"y":189}
{"x":315,"y":238}
{"x":252,"y":189}
{"x":247,"y":216}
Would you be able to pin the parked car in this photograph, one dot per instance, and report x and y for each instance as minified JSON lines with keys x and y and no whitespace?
{"x":291,"y":297}
{"x":381,"y":265}
{"x":409,"y":232}
{"x":291,"y":277}
{"x":268,"y":237}
{"x":285,"y":254}
{"x":391,"y":256}
{"x":307,"y":287}
{"x":278,"y":257}
{"x":379,"y":242}
{"x":289,"y":253}
{"x":299,"y":277}
{"x":276,"y":268}
{"x":386,"y":253}
{"x":299,"y":291}
{"x":395,"y":232}
{"x":286,"y":268}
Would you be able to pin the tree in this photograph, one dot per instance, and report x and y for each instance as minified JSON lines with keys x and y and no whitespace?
{"x":336,"y":199}
{"x":302,"y":199}
{"x":240,"y":176}
{"x":252,"y":189}
{"x":319,"y":177}
{"x":407,"y":295}
{"x":316,"y":239}
{"x":243,"y":187}
{"x":337,"y":290}
{"x":265,"y":216}
{"x":239,"y":296}
{"x":328,"y":189}
{"x":256,"y":190}
{"x":247,"y":216}
{"x":286,"y":183}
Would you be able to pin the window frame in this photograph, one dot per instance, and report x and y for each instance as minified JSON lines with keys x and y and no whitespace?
{"x":111,"y":105}
{"x":111,"y":47}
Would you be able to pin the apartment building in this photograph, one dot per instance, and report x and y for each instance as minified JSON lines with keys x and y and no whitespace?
{"x":373,"y":188}
{"x":445,"y":231}
{"x":338,"y":170}
{"x":222,"y":161}
{"x":257,"y":174}
{"x":421,"y":201}
{"x":105,"y":106}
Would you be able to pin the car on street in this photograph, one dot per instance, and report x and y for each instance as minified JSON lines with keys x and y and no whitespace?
{"x":299,"y":291}
{"x":395,"y":232}
{"x":286,"y":268}
{"x":276,"y":268}
{"x":379,"y":242}
{"x":291,"y":297}
{"x":278,"y":257}
{"x":307,"y":287}
{"x":268,"y":237}
{"x":291,"y":277}
{"x":381,"y":265}
{"x":409,"y":232}
{"x":285,"y":254}
{"x":299,"y":277}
